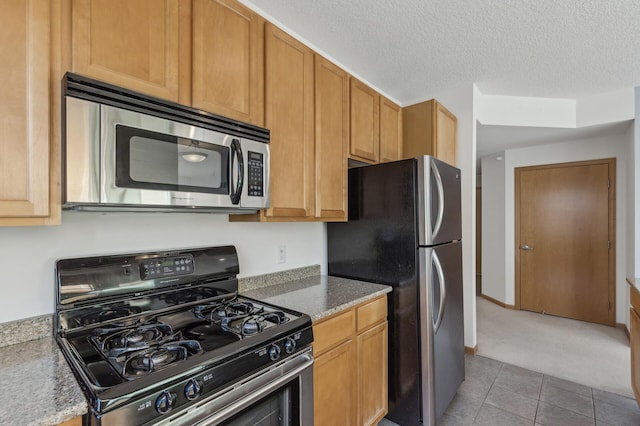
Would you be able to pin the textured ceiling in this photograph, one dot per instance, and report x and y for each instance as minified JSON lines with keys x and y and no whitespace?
{"x":410,"y":49}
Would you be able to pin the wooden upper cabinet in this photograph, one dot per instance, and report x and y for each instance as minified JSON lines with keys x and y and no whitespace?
{"x":390,"y":130}
{"x":228,"y":60}
{"x":332,"y":140}
{"x":289,"y":115}
{"x":24,"y":110}
{"x":429,"y":129}
{"x":365,"y":132}
{"x":133,"y":44}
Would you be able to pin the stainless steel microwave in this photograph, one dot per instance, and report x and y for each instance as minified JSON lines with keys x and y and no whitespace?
{"x":126,"y":151}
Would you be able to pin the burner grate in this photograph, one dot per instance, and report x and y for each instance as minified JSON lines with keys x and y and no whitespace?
{"x":247,"y":325}
{"x":157,"y":357}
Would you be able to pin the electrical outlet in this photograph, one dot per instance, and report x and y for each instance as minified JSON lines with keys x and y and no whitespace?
{"x":282,"y":254}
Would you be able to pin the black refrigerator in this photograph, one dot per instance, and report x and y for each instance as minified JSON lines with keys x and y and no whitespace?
{"x":404,"y":230}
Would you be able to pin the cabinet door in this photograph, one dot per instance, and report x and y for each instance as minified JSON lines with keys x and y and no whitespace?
{"x":289,"y":116}
{"x":365,"y":132}
{"x":24,"y":110}
{"x":334,"y":386}
{"x":445,"y":134}
{"x":134,"y":44}
{"x":332,"y":139}
{"x":635,"y":352}
{"x":372,"y":375}
{"x":390,"y":130}
{"x":228,"y":60}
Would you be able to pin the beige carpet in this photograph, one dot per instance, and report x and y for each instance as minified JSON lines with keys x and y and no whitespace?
{"x":590,"y":354}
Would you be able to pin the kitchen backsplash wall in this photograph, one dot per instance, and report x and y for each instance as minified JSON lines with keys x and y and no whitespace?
{"x":28,"y":254}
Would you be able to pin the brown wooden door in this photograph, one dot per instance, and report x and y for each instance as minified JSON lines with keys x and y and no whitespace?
{"x":134,"y":44}
{"x":289,"y":115}
{"x":228,"y":60}
{"x":332,"y":140}
{"x":563,"y":233}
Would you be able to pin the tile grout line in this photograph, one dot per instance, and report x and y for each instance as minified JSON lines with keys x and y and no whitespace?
{"x":485,"y":397}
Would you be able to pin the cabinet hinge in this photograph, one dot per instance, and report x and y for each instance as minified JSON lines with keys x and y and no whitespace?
{"x":608,"y":183}
{"x":609,"y":244}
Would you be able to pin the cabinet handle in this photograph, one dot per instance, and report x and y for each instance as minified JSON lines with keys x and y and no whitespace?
{"x":526,"y":247}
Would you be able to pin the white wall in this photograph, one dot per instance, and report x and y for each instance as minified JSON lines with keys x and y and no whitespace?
{"x":525,"y":111}
{"x":631,"y":200}
{"x":588,"y":149}
{"x":493,"y":231}
{"x":636,"y":184}
{"x":609,"y":107}
{"x":460,"y":101}
{"x":27,"y":254}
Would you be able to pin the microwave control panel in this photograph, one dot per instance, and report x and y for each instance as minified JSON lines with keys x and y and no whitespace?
{"x":168,"y":266}
{"x":256,"y":174}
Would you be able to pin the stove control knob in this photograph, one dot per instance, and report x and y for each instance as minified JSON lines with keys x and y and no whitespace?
{"x":165,"y":402}
{"x":274,"y":352}
{"x":193,"y":389}
{"x":289,"y":345}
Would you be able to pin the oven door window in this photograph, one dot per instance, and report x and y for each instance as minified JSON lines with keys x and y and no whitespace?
{"x":156,"y":161}
{"x":280,"y":408}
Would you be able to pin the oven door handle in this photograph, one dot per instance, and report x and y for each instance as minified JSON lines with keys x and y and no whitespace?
{"x":237,"y":399}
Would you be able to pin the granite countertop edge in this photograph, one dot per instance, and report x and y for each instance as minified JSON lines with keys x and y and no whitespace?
{"x":319,"y":296}
{"x":350,"y":304}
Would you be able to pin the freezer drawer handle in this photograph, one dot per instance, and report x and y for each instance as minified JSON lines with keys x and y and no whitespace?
{"x":440,"y":187}
{"x":443,"y":291}
{"x":526,"y":247}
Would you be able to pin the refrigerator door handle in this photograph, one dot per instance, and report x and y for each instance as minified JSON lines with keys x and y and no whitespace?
{"x":443,"y":291}
{"x":440,"y":188}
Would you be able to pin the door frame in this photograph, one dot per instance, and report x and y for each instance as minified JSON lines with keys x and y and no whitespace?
{"x":611,"y":162}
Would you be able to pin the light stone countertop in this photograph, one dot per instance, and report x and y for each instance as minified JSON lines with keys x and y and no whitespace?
{"x":37,"y":386}
{"x":318,"y":296}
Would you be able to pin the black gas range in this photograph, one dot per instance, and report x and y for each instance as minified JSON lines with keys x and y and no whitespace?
{"x":164,"y":338}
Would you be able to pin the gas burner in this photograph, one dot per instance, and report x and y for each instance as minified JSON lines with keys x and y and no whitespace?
{"x":247,"y":325}
{"x":119,"y":340}
{"x":216,"y":312}
{"x":154,"y":358}
{"x":103,"y":314}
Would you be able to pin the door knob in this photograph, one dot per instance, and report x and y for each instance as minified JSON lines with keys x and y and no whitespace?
{"x":526,"y":247}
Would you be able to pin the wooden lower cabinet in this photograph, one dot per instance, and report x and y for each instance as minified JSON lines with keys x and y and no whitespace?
{"x":334,"y":386}
{"x":350,"y":369}
{"x":372,"y":375}
{"x":76,"y":421}
{"x":634,"y":337}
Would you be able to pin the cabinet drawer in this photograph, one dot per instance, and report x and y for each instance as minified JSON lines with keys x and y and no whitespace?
{"x":372,"y":313}
{"x":635,"y":298}
{"x":333,"y":331}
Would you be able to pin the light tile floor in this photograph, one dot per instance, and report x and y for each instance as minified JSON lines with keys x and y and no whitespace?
{"x":499,"y":394}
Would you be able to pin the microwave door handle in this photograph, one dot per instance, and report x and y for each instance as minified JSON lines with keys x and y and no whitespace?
{"x":236,"y":190}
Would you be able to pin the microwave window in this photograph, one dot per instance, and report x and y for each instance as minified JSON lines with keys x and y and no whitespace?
{"x":150,"y":160}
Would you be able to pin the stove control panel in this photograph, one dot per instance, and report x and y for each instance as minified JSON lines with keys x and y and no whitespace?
{"x":166,"y":267}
